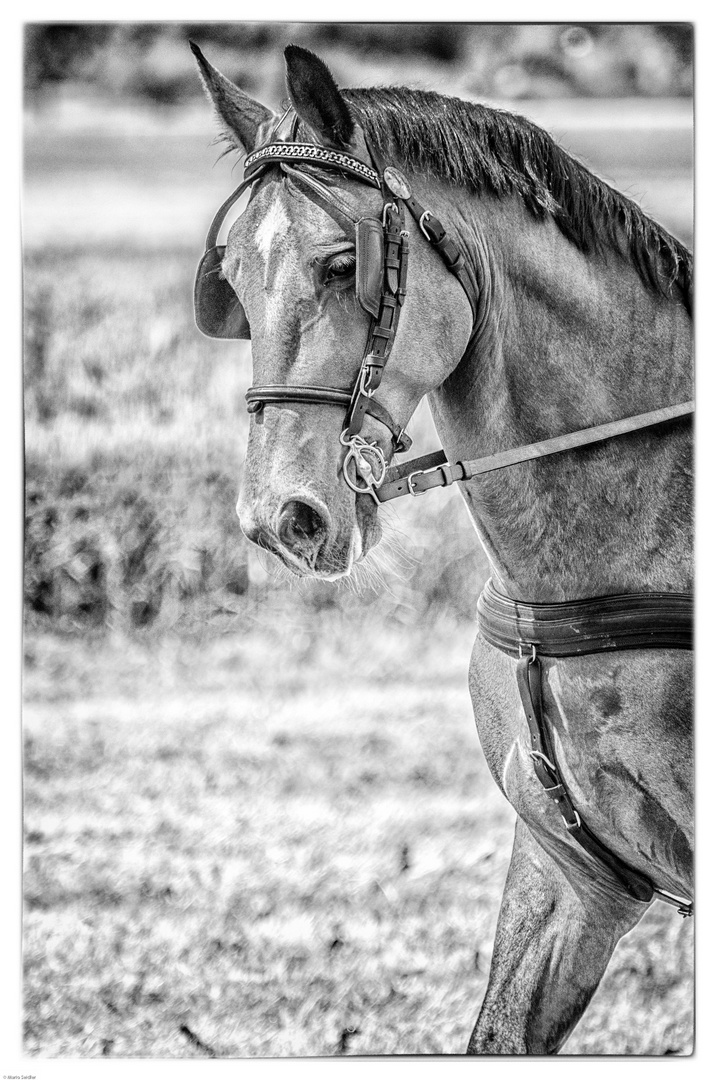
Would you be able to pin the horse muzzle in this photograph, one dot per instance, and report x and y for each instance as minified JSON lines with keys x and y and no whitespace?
{"x":299,"y":535}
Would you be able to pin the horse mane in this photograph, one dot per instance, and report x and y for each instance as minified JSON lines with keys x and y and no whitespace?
{"x":486,"y":149}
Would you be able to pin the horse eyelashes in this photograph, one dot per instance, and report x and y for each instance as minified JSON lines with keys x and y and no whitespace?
{"x":341,"y":267}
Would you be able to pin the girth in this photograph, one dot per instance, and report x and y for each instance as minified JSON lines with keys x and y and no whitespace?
{"x":529,"y":631}
{"x":656,"y":620}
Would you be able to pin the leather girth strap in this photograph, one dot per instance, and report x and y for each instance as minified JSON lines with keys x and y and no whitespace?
{"x":601,"y":623}
{"x":582,"y":620}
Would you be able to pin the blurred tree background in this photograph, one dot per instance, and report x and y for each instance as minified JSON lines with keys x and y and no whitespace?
{"x":149,"y":61}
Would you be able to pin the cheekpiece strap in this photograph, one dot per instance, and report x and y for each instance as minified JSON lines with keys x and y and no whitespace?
{"x":383,"y":328}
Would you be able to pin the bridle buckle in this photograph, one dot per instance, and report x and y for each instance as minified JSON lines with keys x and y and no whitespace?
{"x":409,"y":483}
{"x":388,"y":206}
{"x":364,"y":378}
{"x":425,"y":217}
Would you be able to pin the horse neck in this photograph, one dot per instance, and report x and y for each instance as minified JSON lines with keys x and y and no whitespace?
{"x":568,"y":341}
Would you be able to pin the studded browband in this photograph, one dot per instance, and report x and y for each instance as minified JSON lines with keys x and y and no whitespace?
{"x":310,"y":152}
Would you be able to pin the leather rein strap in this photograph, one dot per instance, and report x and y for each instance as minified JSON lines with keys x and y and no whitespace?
{"x":431,"y":471}
{"x":606,"y":623}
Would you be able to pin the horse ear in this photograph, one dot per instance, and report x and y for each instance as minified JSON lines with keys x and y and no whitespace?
{"x":316,"y":97}
{"x":239,"y":115}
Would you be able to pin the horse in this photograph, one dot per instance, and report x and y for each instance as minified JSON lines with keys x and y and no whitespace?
{"x":547,"y":319}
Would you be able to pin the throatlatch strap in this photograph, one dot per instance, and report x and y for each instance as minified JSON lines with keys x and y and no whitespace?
{"x":547,"y":770}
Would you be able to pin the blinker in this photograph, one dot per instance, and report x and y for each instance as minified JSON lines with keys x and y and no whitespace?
{"x":218,"y":311}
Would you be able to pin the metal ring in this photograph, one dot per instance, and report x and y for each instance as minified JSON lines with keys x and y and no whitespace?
{"x":369,"y":453}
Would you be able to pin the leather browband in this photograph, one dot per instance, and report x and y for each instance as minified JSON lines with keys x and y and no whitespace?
{"x":634,"y":621}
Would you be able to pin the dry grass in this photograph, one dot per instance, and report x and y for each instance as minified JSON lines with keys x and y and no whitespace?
{"x":294,"y":856}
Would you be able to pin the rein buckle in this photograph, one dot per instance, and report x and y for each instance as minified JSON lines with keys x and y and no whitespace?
{"x":409,"y":483}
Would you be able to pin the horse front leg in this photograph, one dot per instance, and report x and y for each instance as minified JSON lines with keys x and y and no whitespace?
{"x":551,"y":949}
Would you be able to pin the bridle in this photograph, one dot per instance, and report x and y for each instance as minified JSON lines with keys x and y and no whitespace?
{"x":525,"y":632}
{"x":382,"y":250}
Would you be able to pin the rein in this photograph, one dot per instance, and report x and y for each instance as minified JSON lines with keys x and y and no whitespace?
{"x":659,"y":620}
{"x":431,"y":471}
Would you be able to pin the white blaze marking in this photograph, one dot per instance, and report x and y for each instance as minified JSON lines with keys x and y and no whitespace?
{"x":274,"y":226}
{"x":276,"y":223}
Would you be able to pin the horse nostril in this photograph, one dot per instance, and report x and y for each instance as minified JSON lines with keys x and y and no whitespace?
{"x":299,"y":523}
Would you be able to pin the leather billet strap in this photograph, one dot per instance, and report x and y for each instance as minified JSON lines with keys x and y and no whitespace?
{"x":656,"y":620}
{"x":417,"y":477}
{"x":547,"y":770}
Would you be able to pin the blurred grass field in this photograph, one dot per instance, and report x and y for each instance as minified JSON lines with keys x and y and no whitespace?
{"x":249,"y":832}
{"x":268,"y":845}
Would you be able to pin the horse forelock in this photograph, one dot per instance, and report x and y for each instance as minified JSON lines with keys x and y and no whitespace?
{"x":485,"y":149}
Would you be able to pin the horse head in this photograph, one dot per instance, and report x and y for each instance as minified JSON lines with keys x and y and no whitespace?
{"x":305,"y":270}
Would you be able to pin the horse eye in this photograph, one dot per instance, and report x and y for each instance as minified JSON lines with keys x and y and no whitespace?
{"x":341,"y":267}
